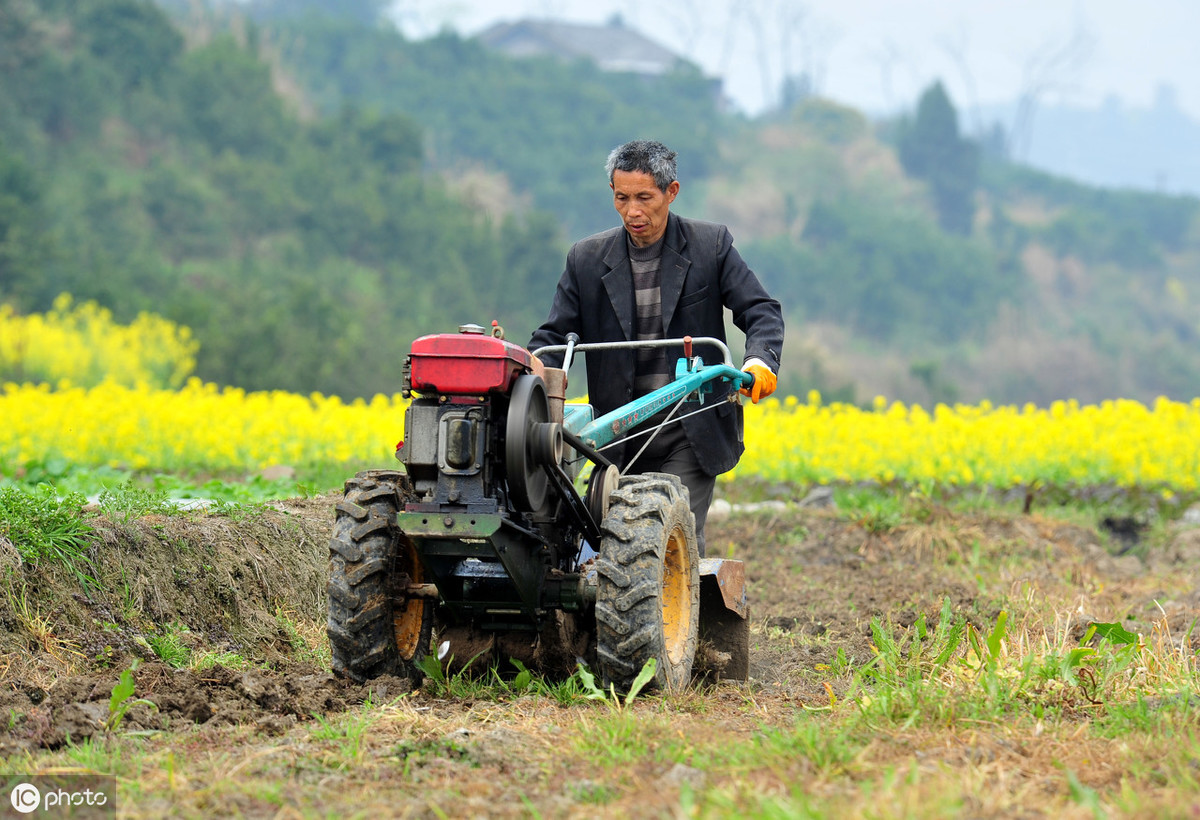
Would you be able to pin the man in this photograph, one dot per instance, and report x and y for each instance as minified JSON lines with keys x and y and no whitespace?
{"x":658,"y":276}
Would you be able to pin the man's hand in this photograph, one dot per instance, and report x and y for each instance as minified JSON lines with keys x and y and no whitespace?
{"x":764,"y":381}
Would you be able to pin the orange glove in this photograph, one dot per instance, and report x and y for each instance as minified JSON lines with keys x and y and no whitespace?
{"x":764,"y":382}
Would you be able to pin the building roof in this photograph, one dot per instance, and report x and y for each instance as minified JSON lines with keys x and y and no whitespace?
{"x":613,"y":47}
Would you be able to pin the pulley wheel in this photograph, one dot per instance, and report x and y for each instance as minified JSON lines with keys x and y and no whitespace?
{"x":600,"y":486}
{"x":528,"y":411}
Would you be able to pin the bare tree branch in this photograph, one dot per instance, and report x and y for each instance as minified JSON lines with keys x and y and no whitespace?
{"x":788,"y":43}
{"x":955,"y":47}
{"x":887,"y":57}
{"x":689,"y":19}
{"x":1052,"y":68}
{"x":755,"y":15}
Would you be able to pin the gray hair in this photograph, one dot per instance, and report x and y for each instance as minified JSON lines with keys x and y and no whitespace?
{"x":645,"y":156}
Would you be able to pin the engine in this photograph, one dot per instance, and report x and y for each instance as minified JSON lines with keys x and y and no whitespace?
{"x":453,"y":428}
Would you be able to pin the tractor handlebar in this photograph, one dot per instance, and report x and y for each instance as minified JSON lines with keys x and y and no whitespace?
{"x":569,"y":348}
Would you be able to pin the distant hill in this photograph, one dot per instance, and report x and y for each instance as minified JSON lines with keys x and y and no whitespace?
{"x":1154,"y":148}
{"x":311,"y":192}
{"x":150,"y":172}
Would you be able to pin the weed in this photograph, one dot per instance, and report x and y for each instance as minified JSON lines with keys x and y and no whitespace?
{"x":208,"y":659}
{"x":348,"y":730}
{"x":620,"y":737}
{"x":130,"y":607}
{"x":127,"y":502}
{"x":593,"y":692}
{"x":305,"y":636}
{"x":38,"y":625}
{"x":168,"y":645}
{"x":830,"y":749}
{"x":238,"y":511}
{"x":587,"y":791}
{"x":1083,"y":795}
{"x":44,"y":527}
{"x":878,"y":512}
{"x":95,"y":755}
{"x":122,"y":700}
{"x":1142,"y":716}
{"x":461,"y":684}
{"x":414,"y":753}
{"x":29,"y":616}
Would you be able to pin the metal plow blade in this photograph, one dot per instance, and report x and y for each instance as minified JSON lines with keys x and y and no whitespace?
{"x":724,"y":646}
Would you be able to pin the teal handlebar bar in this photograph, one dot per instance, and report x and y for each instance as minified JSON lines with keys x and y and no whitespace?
{"x":612,"y":425}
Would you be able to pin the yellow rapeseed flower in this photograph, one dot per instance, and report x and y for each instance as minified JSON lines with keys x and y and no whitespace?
{"x":83,"y":345}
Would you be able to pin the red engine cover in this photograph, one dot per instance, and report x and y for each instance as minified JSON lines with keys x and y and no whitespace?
{"x":466,"y":363}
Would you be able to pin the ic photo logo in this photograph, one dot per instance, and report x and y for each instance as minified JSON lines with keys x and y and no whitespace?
{"x":83,"y":796}
{"x":25,"y":798}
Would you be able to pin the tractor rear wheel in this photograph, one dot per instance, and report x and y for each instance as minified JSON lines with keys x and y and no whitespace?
{"x":374,"y":627}
{"x":648,"y":576}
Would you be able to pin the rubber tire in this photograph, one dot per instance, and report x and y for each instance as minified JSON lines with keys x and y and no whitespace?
{"x":372,"y":631}
{"x":648,"y":564}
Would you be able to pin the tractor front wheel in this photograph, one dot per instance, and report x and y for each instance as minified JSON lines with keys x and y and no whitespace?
{"x":648,"y":576}
{"x":375,"y":628}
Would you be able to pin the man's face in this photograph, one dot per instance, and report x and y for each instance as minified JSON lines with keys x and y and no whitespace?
{"x":643,"y":208}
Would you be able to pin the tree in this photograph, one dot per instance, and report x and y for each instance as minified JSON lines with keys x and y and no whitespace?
{"x":363,"y":12}
{"x":24,"y":245}
{"x":133,"y":37}
{"x":932,"y":149}
{"x":226,"y":92}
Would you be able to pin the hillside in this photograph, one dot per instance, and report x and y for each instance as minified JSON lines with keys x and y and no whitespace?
{"x":153,"y":172}
{"x":1059,"y":290}
{"x":304,"y":192}
{"x":1148,"y":147}
{"x":1062,"y":290}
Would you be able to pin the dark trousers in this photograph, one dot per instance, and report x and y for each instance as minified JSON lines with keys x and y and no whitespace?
{"x":670,"y":452}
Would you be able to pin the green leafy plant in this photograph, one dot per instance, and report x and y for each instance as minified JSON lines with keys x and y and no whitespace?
{"x":238,"y":510}
{"x":876,"y":511}
{"x":1113,"y":633}
{"x":126,"y":502}
{"x":988,"y":650}
{"x":209,"y":659}
{"x":593,"y":692}
{"x":44,"y":527}
{"x":168,"y":645}
{"x":122,"y":700}
{"x":457,"y":685}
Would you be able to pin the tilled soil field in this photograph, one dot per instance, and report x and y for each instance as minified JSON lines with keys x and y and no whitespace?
{"x":248,"y":720}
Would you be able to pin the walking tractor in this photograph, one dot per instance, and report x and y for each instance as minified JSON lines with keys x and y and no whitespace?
{"x":484,"y":539}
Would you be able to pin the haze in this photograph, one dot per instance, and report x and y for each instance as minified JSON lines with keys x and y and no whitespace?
{"x":878,"y":55}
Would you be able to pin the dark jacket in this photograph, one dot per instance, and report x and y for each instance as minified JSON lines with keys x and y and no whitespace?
{"x":702,"y":274}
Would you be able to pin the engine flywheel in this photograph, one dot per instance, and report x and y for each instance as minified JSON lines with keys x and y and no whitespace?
{"x":530,"y":441}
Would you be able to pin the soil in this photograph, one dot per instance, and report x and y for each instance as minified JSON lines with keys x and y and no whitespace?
{"x":249,"y":591}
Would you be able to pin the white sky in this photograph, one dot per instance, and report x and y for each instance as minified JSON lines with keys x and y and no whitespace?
{"x":878,"y":55}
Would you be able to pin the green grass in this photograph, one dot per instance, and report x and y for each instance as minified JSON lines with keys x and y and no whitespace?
{"x":127,"y":502}
{"x":154,"y":487}
{"x":45,"y":527}
{"x":168,"y":645}
{"x":875,"y":512}
{"x":968,"y":711}
{"x":347,"y":731}
{"x":208,"y":659}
